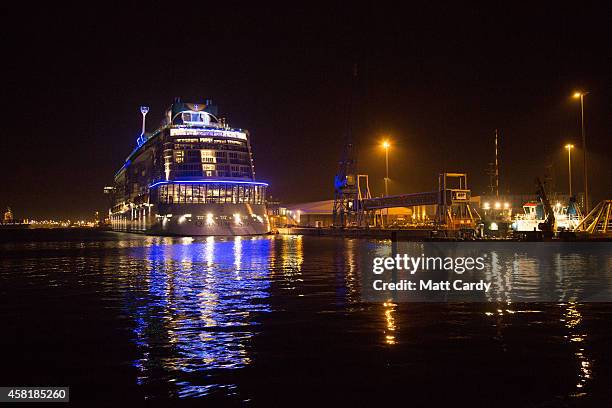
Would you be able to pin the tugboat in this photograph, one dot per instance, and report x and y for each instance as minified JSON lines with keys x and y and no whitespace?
{"x":541,"y":219}
{"x":566,"y":217}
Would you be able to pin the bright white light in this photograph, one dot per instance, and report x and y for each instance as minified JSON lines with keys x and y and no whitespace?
{"x":497,"y":205}
{"x":486,"y":206}
{"x":208,"y":132}
{"x":209,"y":219}
{"x":493,"y":226}
{"x":237,"y":219}
{"x":506,"y":205}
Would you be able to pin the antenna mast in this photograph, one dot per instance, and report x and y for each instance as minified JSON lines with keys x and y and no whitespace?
{"x":144,"y":110}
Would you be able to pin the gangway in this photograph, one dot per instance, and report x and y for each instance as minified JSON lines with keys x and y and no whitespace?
{"x":452,"y":201}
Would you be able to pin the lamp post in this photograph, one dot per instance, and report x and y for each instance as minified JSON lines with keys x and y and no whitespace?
{"x":581,"y":95}
{"x":386,"y":145}
{"x":569,"y":148}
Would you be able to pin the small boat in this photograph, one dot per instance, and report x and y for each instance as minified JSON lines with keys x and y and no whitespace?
{"x":565,"y":217}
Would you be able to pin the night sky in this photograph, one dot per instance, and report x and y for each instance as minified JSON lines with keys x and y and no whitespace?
{"x":436,"y":82}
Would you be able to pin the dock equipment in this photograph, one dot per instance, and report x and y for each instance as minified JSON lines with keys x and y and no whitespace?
{"x":548,"y":226}
{"x":598,"y":222}
{"x":346,"y":192}
{"x":453,"y":211}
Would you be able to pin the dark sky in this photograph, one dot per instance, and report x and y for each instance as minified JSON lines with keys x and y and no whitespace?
{"x":436,"y":81}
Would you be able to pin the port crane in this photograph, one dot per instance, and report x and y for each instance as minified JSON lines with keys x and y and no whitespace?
{"x":345,"y":189}
{"x":548,"y":225}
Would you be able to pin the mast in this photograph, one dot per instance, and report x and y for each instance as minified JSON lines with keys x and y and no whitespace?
{"x":144,"y":110}
{"x":142,"y":138}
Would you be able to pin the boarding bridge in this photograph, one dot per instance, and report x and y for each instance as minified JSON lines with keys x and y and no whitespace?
{"x":452,"y":201}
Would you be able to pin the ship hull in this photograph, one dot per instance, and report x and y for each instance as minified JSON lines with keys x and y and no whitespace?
{"x":193,"y":220}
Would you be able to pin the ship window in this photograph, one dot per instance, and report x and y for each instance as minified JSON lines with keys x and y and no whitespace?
{"x":235,"y":194}
{"x":211,"y":193}
{"x":257,"y":194}
{"x":178,"y":193}
{"x":208,"y":156}
{"x":171,"y":193}
{"x":163,"y":194}
{"x":197,"y":194}
{"x":222,"y":193}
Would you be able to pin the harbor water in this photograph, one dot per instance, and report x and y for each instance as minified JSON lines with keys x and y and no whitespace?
{"x":276,"y":319}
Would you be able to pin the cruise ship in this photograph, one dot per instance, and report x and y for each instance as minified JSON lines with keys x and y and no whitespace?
{"x":194,"y":175}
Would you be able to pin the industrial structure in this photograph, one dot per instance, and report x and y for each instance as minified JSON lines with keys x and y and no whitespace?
{"x":450,"y":211}
{"x":354,"y":206}
{"x":598,"y":222}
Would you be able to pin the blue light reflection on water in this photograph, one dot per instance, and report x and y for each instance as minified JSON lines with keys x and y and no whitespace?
{"x":166,"y":306}
{"x":197,"y":312}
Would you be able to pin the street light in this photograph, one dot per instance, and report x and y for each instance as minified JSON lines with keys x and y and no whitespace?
{"x":569,"y":148}
{"x":581,"y":95}
{"x":386,"y":145}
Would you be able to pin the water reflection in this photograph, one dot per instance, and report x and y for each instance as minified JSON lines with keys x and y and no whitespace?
{"x":577,"y":337}
{"x":390,"y":328}
{"x":288,"y":260}
{"x":196,"y":308}
{"x":197,"y":313}
{"x":347,"y":272}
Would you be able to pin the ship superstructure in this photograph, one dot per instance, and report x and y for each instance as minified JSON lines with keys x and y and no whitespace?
{"x":194,"y":175}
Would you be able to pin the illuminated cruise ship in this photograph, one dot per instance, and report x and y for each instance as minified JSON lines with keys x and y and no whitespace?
{"x":194,"y":175}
